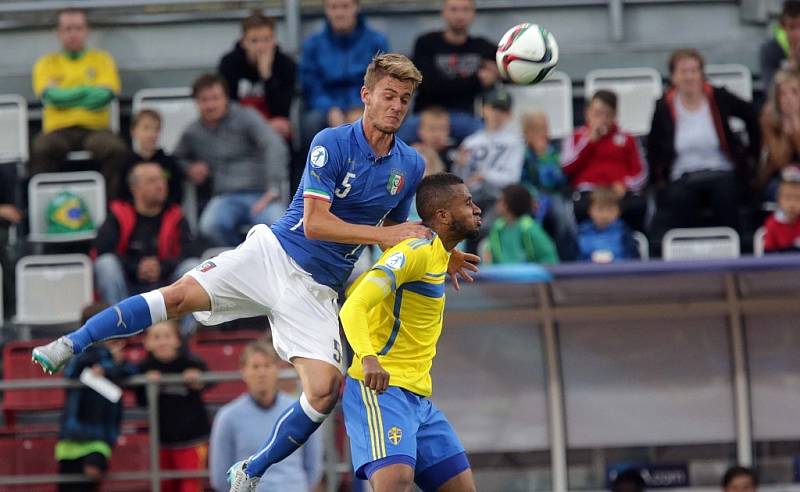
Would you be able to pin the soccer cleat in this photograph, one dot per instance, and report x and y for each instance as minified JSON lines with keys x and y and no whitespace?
{"x":239,"y":480}
{"x":53,"y":356}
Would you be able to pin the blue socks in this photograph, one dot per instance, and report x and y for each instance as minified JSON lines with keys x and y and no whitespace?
{"x":127,"y":318}
{"x":293,"y":428}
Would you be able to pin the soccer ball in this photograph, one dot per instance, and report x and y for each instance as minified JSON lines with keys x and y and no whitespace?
{"x":526,"y":54}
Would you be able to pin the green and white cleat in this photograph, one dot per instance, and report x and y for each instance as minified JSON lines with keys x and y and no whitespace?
{"x":53,"y":356}
{"x":239,"y":480}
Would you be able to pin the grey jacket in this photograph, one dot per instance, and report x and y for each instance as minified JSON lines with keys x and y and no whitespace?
{"x":243,"y":152}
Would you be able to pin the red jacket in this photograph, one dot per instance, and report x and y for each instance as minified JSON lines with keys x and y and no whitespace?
{"x":781,"y":235}
{"x":614,"y":158}
{"x":169,"y":243}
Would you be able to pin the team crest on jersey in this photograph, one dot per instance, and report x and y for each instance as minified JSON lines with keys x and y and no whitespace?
{"x":395,"y":434}
{"x":206,"y":266}
{"x":396,"y":261}
{"x":396,"y":181}
{"x":318,"y":156}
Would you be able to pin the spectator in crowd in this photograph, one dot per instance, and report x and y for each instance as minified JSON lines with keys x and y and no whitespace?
{"x":543,"y":177}
{"x":739,"y":479}
{"x":605,"y":237}
{"x":232,"y":433}
{"x":182,"y":419}
{"x":76,"y":86}
{"x":601,"y":154}
{"x":780,"y":130}
{"x":9,"y":215}
{"x":492,"y":158}
{"x":628,"y":481}
{"x":782,"y":228}
{"x":434,"y":142}
{"x":90,"y":423}
{"x":514,"y":236}
{"x":247,"y":161}
{"x":145,"y":129}
{"x":693,"y":153}
{"x":333,"y":64}
{"x":259,"y":74}
{"x":142,"y":245}
{"x":782,"y":50}
{"x":456,"y":68}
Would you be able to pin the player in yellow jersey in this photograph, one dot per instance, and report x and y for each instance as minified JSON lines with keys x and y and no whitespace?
{"x":392,"y":319}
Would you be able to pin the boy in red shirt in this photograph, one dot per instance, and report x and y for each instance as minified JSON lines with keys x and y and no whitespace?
{"x":602,"y":155}
{"x":783,"y":227}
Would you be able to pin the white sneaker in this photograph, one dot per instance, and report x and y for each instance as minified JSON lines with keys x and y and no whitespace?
{"x":53,"y":356}
{"x":239,"y":480}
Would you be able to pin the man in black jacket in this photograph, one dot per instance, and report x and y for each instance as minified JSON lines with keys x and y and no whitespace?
{"x":456,"y":68}
{"x":259,"y":74}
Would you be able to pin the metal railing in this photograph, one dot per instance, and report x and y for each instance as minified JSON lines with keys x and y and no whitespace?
{"x":331,"y":465}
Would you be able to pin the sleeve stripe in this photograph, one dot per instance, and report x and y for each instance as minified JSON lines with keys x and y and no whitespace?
{"x":388,"y":271}
{"x":312,"y":193}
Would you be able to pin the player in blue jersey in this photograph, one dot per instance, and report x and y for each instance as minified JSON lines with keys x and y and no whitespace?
{"x":357,"y":189}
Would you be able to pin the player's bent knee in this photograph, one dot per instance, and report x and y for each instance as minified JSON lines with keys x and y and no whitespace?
{"x":324,"y":392}
{"x":185,"y":296}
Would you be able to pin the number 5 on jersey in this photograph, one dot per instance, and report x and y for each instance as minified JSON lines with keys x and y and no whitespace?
{"x":344,"y":189}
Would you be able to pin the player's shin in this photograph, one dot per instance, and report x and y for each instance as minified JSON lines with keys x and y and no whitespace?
{"x":124,"y":319}
{"x":293,"y":428}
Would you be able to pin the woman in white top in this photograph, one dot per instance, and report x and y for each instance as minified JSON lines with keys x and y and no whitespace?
{"x":693,"y":153}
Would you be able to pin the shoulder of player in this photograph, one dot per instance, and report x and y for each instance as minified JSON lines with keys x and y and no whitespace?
{"x":406,"y":151}
{"x":99,"y":54}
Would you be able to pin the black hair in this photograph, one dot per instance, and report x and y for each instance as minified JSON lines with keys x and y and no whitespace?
{"x":434,"y":192}
{"x":628,"y":481}
{"x":518,"y":200}
{"x":738,"y":471}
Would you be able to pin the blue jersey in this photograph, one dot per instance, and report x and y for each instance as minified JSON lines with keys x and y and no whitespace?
{"x":342,"y":169}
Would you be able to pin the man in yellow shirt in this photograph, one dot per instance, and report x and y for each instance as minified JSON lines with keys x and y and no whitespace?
{"x":76,"y":86}
{"x":393,"y":319}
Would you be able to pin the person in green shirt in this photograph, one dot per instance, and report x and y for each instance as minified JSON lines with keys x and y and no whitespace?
{"x":515,"y":237}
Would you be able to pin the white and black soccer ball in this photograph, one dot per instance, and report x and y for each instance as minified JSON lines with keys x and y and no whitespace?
{"x":526,"y":54}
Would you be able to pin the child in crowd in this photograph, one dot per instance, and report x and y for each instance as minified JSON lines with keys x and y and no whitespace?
{"x":145,"y":129}
{"x":434,"y":139}
{"x":183,"y":422}
{"x":90,"y":423}
{"x":542,"y":175}
{"x":605,"y":237}
{"x":783,"y":227}
{"x":514,"y":236}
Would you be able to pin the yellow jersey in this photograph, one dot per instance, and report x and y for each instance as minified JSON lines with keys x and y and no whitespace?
{"x":394,"y":311}
{"x":93,"y":68}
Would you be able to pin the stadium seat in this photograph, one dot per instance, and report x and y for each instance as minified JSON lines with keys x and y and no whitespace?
{"x":53,"y":289}
{"x":88,"y":185}
{"x":758,"y":241}
{"x":132,"y":454}
{"x":177,"y":109}
{"x":134,"y":352}
{"x":642,"y":245}
{"x":705,"y":243}
{"x":553,"y":96}
{"x":734,"y":77}
{"x":13,"y":128}
{"x":114,"y":115}
{"x":221,"y":352}
{"x":29,"y":456}
{"x":637,"y":90}
{"x":17,"y":365}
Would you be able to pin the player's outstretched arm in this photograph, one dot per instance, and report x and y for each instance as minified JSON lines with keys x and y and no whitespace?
{"x":460,"y":265}
{"x":319,"y":223}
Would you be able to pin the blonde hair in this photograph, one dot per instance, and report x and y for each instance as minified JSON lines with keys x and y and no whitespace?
{"x":604,"y":197}
{"x":259,"y":346}
{"x":392,"y":65}
{"x":530,"y":117}
{"x":773,"y":101}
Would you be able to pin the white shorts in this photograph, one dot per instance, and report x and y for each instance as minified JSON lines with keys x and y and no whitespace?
{"x":258,"y":278}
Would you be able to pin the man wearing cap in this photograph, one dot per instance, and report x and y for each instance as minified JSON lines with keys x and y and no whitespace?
{"x":492,"y":158}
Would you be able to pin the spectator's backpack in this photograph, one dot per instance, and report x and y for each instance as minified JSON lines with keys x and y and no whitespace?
{"x":67,"y":212}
